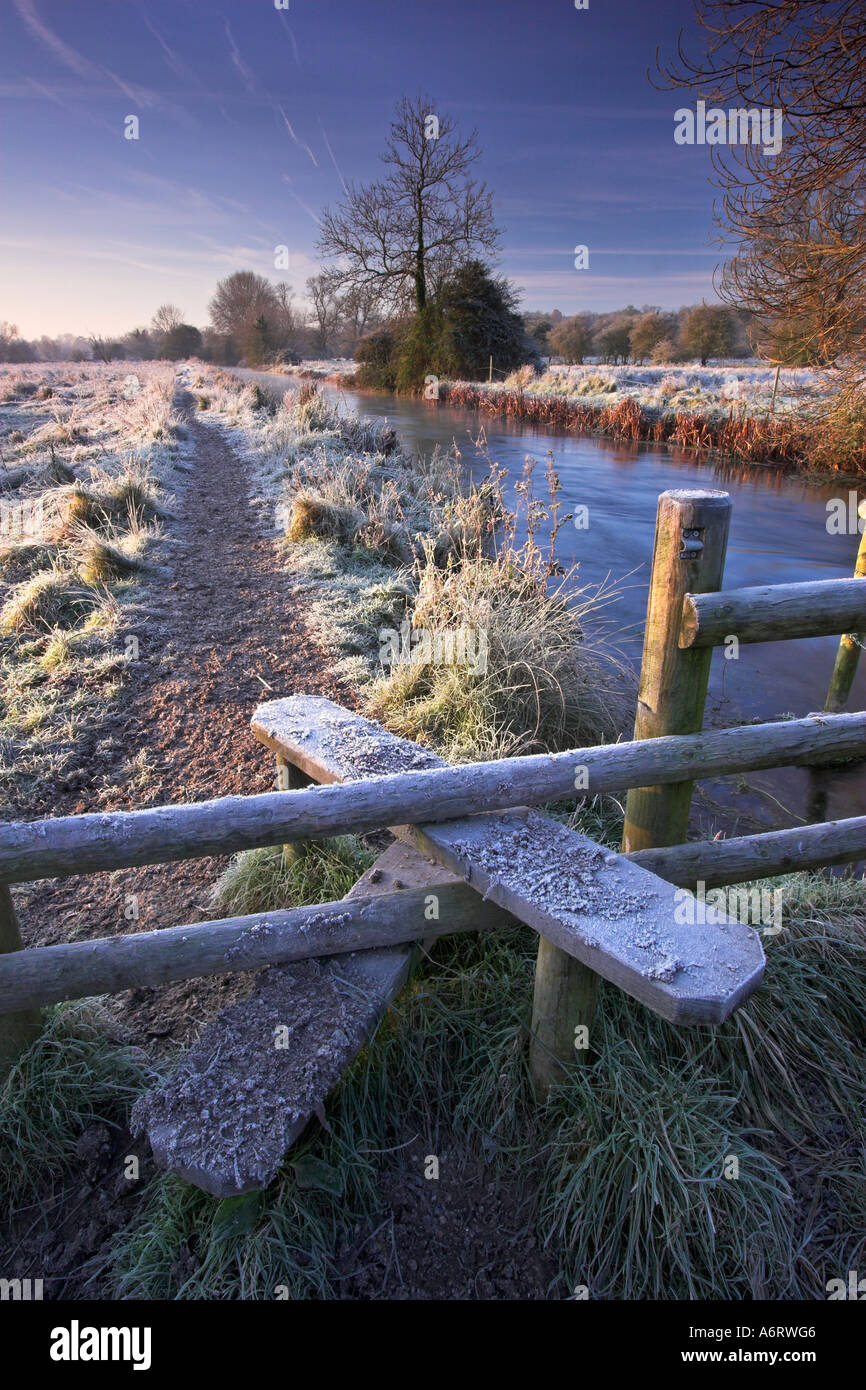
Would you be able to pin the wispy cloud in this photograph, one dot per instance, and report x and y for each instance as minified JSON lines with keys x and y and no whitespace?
{"x":301,"y":144}
{"x":331,"y":153}
{"x":638,"y":252}
{"x":172,"y":58}
{"x":46,"y":94}
{"x":590,"y":291}
{"x":247,"y":75}
{"x":308,"y":210}
{"x":84,"y":68}
{"x":292,"y":40}
{"x":63,"y":52}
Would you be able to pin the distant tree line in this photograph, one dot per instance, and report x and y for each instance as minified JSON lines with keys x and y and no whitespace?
{"x":252,"y":320}
{"x":696,"y":332}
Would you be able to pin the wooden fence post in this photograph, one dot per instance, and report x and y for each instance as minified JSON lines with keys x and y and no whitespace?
{"x":689,"y":557}
{"x":290,"y":778}
{"x":563,"y":1000}
{"x":17,"y":1031}
{"x":851,"y":644}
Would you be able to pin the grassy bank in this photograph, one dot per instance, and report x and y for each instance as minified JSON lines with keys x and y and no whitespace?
{"x":805,"y":433}
{"x":91,"y":461}
{"x":626,"y":1173}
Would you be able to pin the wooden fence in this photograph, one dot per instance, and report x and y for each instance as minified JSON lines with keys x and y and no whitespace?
{"x":687,"y":616}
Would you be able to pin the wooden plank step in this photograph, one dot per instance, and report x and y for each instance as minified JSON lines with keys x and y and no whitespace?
{"x":614,"y":916}
{"x":238,"y":1101}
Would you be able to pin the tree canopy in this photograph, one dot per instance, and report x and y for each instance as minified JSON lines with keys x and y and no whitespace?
{"x":401,"y":237}
{"x":797,"y":220}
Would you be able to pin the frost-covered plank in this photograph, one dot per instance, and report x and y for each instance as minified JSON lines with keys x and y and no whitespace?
{"x":614,"y":916}
{"x":611,"y":914}
{"x":246,"y":1090}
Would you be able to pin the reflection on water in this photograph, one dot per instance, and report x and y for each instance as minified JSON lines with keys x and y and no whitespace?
{"x":778,"y":535}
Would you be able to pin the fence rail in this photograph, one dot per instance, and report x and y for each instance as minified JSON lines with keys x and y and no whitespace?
{"x":91,"y":843}
{"x":774,"y":612}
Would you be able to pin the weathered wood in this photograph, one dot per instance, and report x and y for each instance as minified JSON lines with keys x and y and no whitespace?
{"x":594,"y":905}
{"x":716,"y":862}
{"x":598,"y":907}
{"x":290,"y":778}
{"x":851,"y":644}
{"x":19,"y":1029}
{"x":89,"y":843}
{"x":565,"y":989}
{"x":688,"y":557}
{"x":773,"y":612}
{"x":236,"y":1103}
{"x":564,"y":999}
{"x":107,"y":965}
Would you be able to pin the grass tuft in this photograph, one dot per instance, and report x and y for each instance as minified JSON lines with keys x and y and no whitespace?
{"x":52,"y":598}
{"x":78,"y":1070}
{"x":263,"y":880}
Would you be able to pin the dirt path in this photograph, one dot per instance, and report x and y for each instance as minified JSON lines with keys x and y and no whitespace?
{"x":224,"y":633}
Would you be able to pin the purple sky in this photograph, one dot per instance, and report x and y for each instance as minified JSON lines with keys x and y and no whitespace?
{"x":251,"y":118}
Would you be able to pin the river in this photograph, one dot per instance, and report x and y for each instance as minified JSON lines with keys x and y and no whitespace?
{"x":779,"y":533}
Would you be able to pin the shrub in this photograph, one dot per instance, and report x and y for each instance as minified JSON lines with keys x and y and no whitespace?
{"x":543,"y":684}
{"x":377,"y":355}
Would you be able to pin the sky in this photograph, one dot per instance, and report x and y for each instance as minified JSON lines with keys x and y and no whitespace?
{"x":251,"y":119}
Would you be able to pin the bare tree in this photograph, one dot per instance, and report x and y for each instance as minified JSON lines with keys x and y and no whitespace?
{"x":359,"y":313}
{"x":796,"y":219}
{"x":285,"y":319}
{"x":399,"y":238}
{"x":240,"y":300}
{"x":323,"y":292}
{"x":167,"y":317}
{"x":707,"y":331}
{"x":572,"y":338}
{"x":103,"y":349}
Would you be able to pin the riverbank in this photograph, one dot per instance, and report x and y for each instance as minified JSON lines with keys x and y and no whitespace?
{"x":817,"y":443}
{"x":623,"y":1179}
{"x":95,"y":459}
{"x":737,"y":411}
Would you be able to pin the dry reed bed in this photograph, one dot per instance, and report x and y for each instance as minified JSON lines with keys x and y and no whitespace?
{"x":834,"y":442}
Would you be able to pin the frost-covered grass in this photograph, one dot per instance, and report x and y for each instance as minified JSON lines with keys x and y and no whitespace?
{"x":373,"y":535}
{"x":629,"y":1181}
{"x":321,"y":367}
{"x":90,"y":461}
{"x":79,"y":1070}
{"x":744,"y":387}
